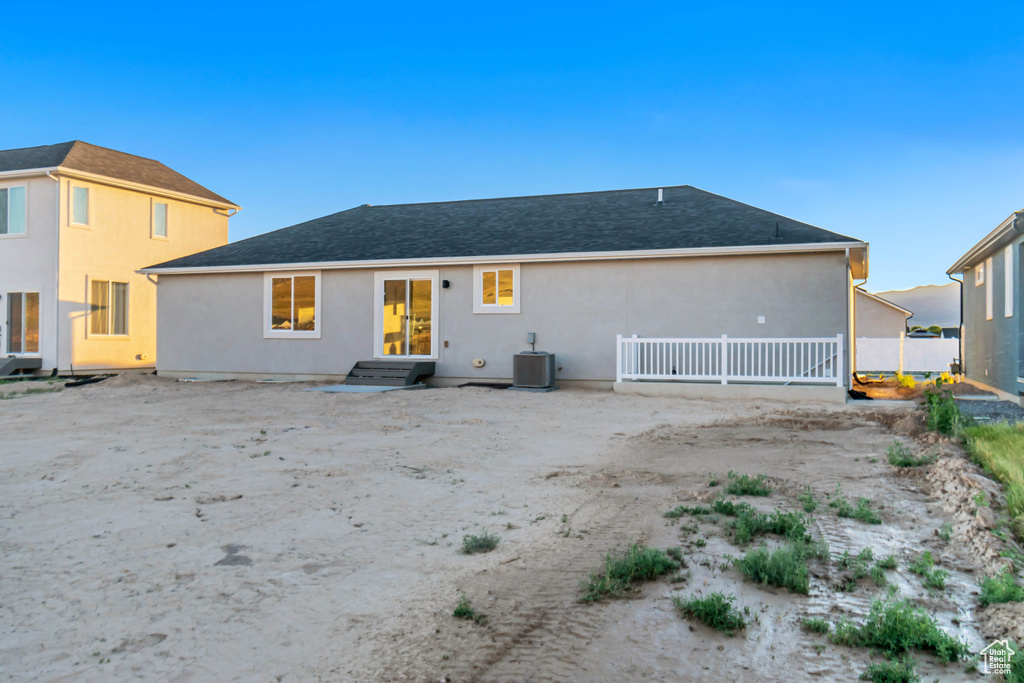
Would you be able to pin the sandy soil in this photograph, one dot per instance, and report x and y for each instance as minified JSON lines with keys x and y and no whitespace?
{"x":167,"y":531}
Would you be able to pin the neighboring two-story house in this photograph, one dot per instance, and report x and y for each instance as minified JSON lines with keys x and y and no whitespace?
{"x":993,"y":334}
{"x":76,"y":222}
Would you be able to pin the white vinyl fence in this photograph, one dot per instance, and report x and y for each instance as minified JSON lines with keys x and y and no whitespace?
{"x":721,"y":359}
{"x":905,"y":354}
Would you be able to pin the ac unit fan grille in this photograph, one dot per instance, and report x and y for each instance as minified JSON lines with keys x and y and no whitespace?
{"x":533,"y":370}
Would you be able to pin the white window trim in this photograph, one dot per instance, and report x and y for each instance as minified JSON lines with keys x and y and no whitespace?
{"x":988,"y":288}
{"x":268,"y":304}
{"x":1008,"y":281}
{"x":478,"y":290}
{"x":979,"y":275}
{"x":378,"y":309}
{"x":16,"y":235}
{"x":71,"y":206}
{"x":152,"y":220}
{"x":89,"y":334}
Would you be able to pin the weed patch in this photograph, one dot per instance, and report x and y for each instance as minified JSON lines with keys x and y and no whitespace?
{"x":746,"y":485}
{"x":619,"y":573}
{"x":897,"y":628}
{"x":1002,"y":588}
{"x":891,"y":672}
{"x":715,"y":610}
{"x":815,"y":625}
{"x":900,"y":456}
{"x":943,"y":414}
{"x":997,"y":448}
{"x":464,"y":610}
{"x":807,"y":500}
{"x":861,"y":512}
{"x":923,"y":567}
{"x":785,"y":568}
{"x":484,"y":543}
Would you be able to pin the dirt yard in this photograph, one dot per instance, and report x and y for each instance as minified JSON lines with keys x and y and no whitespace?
{"x":156,"y":530}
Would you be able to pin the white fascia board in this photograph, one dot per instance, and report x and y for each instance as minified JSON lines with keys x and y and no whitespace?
{"x":987,"y":244}
{"x":520,"y":258}
{"x":26,"y":173}
{"x":139,"y":187}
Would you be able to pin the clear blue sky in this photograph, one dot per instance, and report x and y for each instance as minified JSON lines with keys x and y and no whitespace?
{"x":898,"y":123}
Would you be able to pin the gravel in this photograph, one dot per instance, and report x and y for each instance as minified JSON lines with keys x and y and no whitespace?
{"x":992,"y":411}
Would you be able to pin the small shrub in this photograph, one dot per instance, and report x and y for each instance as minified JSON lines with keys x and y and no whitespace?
{"x":713,"y":482}
{"x":680,"y":510}
{"x":746,"y":485}
{"x":878,"y":576}
{"x":930,"y":578}
{"x":700,"y":542}
{"x":484,"y":543}
{"x":785,"y":568}
{"x":676,"y":553}
{"x":815,"y":625}
{"x":1001,"y":588}
{"x":858,"y":564}
{"x":636,"y":564}
{"x":862,"y":512}
{"x":807,"y":498}
{"x":945,"y":532}
{"x":715,"y":610}
{"x":891,"y":672}
{"x":943,"y":414}
{"x":898,"y":627}
{"x":731,"y":509}
{"x":464,"y":610}
{"x":900,"y":456}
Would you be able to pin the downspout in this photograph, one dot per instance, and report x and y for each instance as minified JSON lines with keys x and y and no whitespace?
{"x":960,"y":329}
{"x":850,"y":306}
{"x":56,"y":276}
{"x":853,"y":335}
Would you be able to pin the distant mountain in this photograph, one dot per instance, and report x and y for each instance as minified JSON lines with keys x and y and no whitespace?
{"x":931,"y":304}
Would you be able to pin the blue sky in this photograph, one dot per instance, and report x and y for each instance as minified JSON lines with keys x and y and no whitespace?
{"x":897,"y":123}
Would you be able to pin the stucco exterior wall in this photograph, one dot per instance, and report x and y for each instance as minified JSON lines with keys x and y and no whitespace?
{"x":994,"y":349}
{"x":875,"y":319}
{"x":27,"y":262}
{"x":211,"y":325}
{"x":117,"y":242}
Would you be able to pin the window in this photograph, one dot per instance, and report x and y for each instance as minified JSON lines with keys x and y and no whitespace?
{"x":79,"y":205}
{"x":108,"y":308}
{"x":23,"y":322}
{"x":496,"y":289}
{"x":979,"y":275}
{"x":988,"y":289}
{"x":12,"y":211}
{"x":292,"y":305}
{"x":1008,"y":281}
{"x":159,"y":220}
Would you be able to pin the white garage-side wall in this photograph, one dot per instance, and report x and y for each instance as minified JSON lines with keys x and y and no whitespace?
{"x":211,"y":325}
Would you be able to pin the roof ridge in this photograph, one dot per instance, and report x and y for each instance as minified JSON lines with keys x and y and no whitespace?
{"x":117,"y":151}
{"x":530,"y":196}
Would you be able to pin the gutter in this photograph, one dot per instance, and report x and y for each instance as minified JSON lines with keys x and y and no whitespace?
{"x":988,"y":243}
{"x":512,"y":258}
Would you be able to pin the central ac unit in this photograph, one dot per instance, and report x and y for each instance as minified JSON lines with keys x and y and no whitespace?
{"x":533,"y":370}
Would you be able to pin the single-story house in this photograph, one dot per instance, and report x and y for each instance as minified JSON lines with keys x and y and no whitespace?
{"x":879,"y":318}
{"x":993,"y":334}
{"x":463,"y":283}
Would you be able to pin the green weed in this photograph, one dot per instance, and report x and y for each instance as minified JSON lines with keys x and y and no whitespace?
{"x":898,"y":627}
{"x":1001,"y":588}
{"x":815,"y":625}
{"x":619,"y":573}
{"x":923,"y":567}
{"x":891,"y":672}
{"x":887,"y":562}
{"x":785,"y":568}
{"x":807,"y":498}
{"x":715,"y":610}
{"x":861,"y":512}
{"x":483,"y":543}
{"x":900,"y":456}
{"x":943,"y":414}
{"x":464,"y":610}
{"x":997,"y":448}
{"x":746,"y":485}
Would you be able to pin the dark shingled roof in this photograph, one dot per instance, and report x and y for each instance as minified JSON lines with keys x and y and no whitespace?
{"x":81,"y":156}
{"x":620,"y":220}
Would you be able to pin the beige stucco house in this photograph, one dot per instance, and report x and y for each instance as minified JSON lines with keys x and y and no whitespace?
{"x":879,"y":318}
{"x":76,"y":223}
{"x":463,"y":285}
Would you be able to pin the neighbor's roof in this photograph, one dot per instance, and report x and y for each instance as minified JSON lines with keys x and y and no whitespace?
{"x":998,"y":238}
{"x":81,"y":156}
{"x":587,"y":223}
{"x":880,"y":300}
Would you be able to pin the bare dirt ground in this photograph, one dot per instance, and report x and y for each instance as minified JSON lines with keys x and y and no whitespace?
{"x":166,"y":531}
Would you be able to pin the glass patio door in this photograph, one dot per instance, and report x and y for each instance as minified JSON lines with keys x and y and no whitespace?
{"x":407,"y":317}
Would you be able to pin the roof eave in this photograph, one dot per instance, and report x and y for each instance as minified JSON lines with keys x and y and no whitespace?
{"x":148,"y":189}
{"x":526,"y":258}
{"x":879,"y":299}
{"x":1003,"y":233}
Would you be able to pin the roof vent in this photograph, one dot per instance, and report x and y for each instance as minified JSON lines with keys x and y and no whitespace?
{"x":661,"y":197}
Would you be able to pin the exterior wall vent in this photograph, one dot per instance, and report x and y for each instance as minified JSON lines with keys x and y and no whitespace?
{"x":533,"y":370}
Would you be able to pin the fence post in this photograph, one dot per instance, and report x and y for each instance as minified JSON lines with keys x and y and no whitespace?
{"x":618,"y":358}
{"x":840,"y":379}
{"x":903,"y":336}
{"x":725,"y":359}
